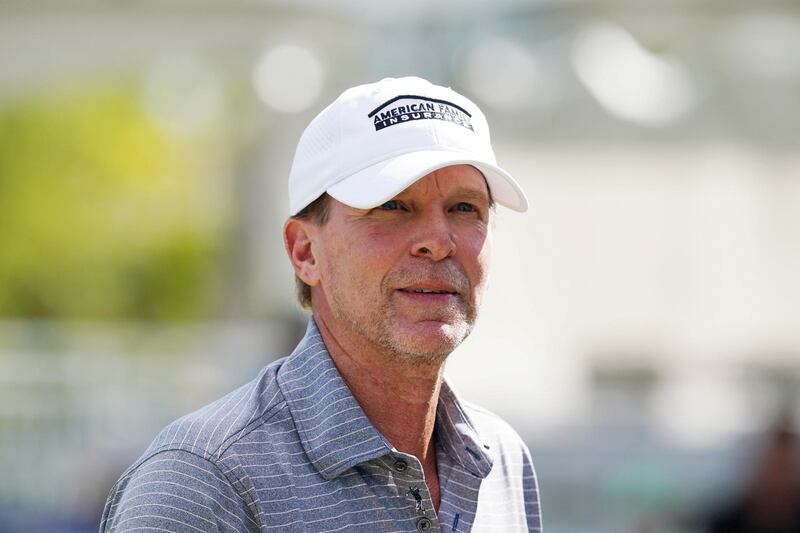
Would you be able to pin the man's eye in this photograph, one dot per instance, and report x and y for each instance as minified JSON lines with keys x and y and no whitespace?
{"x":390,"y":205}
{"x":464,"y":207}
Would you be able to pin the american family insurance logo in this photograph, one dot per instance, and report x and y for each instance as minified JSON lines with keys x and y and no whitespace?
{"x":406,"y":108}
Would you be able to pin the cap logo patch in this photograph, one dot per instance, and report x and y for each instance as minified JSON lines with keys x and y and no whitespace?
{"x":418,"y":108}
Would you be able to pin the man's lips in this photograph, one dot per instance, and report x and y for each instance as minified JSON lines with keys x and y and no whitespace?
{"x":431,"y":290}
{"x":428,"y":288}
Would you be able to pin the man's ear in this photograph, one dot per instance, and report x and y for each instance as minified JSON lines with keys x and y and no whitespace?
{"x":297,"y":241}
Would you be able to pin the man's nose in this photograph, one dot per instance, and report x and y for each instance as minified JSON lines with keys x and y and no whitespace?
{"x":434,"y":237}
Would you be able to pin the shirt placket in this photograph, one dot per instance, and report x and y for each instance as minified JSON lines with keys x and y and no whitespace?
{"x":411,"y":486}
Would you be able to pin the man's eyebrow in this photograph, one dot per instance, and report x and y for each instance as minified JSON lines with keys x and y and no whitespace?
{"x":471,"y":194}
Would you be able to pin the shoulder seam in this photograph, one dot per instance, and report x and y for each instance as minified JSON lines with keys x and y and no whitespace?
{"x":263,"y":419}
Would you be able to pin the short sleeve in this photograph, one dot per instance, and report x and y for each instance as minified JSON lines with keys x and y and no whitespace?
{"x":176,"y":490}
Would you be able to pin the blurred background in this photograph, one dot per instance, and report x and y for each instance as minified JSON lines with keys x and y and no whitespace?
{"x":641,"y":329}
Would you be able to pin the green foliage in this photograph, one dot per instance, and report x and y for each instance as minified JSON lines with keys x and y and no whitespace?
{"x":102,"y":215}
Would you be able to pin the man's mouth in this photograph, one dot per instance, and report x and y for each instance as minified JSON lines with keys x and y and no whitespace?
{"x":426,"y":291}
{"x":432,"y":291}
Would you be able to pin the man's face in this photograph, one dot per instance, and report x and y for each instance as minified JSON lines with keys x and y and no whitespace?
{"x":408,"y":276}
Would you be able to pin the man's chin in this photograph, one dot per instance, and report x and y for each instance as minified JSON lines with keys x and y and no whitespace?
{"x":429,"y":340}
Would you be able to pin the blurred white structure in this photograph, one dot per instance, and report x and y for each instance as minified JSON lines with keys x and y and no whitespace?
{"x":641,"y":317}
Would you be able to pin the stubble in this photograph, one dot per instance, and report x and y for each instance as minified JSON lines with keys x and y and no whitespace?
{"x":376,"y":322}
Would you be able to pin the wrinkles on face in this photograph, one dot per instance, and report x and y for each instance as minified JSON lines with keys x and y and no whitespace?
{"x":434,"y":235}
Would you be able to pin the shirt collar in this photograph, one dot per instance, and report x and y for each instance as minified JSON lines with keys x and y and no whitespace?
{"x":458,"y":437}
{"x":333,"y":429}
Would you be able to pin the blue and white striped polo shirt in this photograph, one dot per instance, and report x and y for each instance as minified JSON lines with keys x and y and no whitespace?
{"x":292,"y":451}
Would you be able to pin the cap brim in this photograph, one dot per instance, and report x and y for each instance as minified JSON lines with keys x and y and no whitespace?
{"x":383,"y":181}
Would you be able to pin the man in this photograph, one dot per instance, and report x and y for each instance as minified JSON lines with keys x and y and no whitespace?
{"x":392,"y":194}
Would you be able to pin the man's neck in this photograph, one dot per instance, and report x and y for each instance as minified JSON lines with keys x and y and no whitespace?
{"x":398,"y":397}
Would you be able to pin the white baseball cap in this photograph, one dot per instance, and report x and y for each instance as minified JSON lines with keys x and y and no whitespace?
{"x":376,"y":140}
